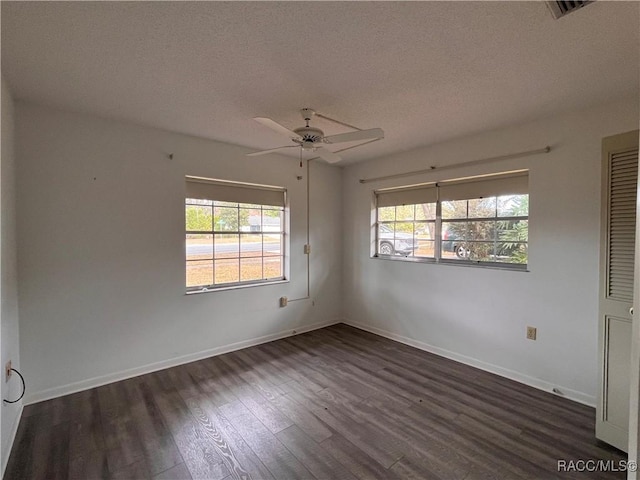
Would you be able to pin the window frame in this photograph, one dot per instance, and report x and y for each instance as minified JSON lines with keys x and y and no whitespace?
{"x":283,"y":233}
{"x":394,"y":240}
{"x":439,"y":221}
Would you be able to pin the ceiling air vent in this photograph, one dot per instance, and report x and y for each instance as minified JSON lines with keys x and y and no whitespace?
{"x":560,"y":8}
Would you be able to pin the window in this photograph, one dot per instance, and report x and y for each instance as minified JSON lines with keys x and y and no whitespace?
{"x":492,"y":229}
{"x":235,"y":234}
{"x":407,"y":230}
{"x":482,"y":220}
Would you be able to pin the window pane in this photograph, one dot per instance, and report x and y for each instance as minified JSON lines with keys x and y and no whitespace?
{"x":482,"y":207}
{"x":482,"y":230}
{"x":425,"y":248}
{"x":513,"y":230}
{"x":425,"y":230}
{"x":513,"y":236}
{"x":453,"y":239}
{"x":424,"y":237}
{"x":251,"y":245}
{"x":455,"y":230}
{"x":454,"y":209}
{"x":386,"y":238}
{"x":227,"y":245}
{"x":426,"y":211}
{"x":386,"y":229}
{"x":199,"y":246}
{"x":198,"y":218}
{"x":387,"y":214}
{"x":227,"y":271}
{"x":513,"y":206}
{"x":272,"y":244}
{"x":403,"y":229}
{"x":272,"y":220}
{"x":244,"y":217}
{"x":405,"y":212}
{"x":404,"y":242}
{"x":512,"y":252}
{"x":250,"y":269}
{"x":481,"y":251}
{"x":272,"y":267}
{"x":199,"y":273}
{"x":253,"y":222}
{"x":447,"y":252}
{"x":226,"y":219}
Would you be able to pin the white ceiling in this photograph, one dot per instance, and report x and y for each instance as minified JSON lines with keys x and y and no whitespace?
{"x":423,"y":71}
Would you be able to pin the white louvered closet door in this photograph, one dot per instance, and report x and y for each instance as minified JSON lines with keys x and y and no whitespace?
{"x":620,"y":190}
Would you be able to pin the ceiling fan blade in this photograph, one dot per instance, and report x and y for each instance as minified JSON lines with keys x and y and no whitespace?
{"x":355,"y":136}
{"x":271,"y":150}
{"x":276,"y":127}
{"x":327,"y":155}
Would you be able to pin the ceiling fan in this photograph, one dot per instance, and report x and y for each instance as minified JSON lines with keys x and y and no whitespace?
{"x":313,"y":139}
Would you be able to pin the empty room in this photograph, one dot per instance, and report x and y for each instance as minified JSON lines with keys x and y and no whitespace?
{"x":319,"y":240}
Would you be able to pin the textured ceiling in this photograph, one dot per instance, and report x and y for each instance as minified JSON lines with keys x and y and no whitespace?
{"x":423,"y":71}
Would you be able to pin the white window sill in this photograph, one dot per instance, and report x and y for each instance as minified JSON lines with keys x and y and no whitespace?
{"x":236,"y":286}
{"x":513,"y":267}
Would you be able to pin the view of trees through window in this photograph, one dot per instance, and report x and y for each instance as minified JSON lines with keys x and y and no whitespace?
{"x":492,"y":229}
{"x":229,"y":243}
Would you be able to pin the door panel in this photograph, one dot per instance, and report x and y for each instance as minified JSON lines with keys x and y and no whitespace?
{"x":619,"y":197}
{"x":617,"y":371}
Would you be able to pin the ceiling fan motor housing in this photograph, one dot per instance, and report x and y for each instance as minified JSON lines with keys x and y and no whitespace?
{"x":310,"y":135}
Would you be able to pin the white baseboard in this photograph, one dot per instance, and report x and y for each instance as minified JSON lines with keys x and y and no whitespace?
{"x":173,"y":362}
{"x":6,"y":449}
{"x":574,"y":395}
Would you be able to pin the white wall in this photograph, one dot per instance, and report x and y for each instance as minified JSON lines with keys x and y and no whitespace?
{"x":479,"y":315}
{"x":9,"y":343}
{"x":101,"y":261}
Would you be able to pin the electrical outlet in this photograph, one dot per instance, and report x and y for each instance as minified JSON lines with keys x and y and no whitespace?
{"x":284,"y":301}
{"x":7,"y":371}
{"x":531,"y":333}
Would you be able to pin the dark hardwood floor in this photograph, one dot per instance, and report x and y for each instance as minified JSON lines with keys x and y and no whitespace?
{"x":336,"y":403}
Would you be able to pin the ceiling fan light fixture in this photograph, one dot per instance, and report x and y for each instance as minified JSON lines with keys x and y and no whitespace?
{"x":308,"y":145}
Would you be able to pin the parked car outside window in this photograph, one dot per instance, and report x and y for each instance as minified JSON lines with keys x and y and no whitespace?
{"x":395,"y":243}
{"x":451,"y":243}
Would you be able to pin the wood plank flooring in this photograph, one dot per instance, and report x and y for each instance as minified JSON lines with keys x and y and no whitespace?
{"x":336,"y":403}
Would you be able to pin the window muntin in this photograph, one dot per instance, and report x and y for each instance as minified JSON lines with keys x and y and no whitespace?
{"x":407,"y":230}
{"x":478,"y":229}
{"x":232,"y":243}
